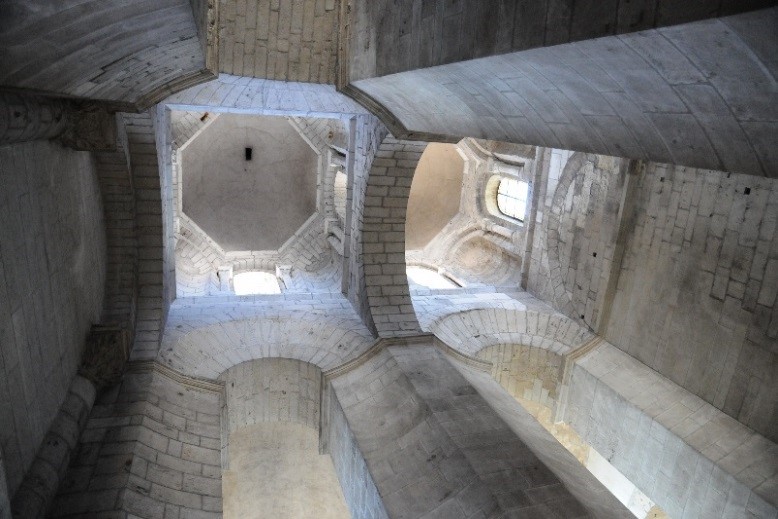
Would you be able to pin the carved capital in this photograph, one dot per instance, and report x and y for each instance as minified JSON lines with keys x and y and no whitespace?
{"x":90,"y":127}
{"x":106,"y":353}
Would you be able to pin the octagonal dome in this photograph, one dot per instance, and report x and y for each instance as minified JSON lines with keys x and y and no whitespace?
{"x":244,"y":203}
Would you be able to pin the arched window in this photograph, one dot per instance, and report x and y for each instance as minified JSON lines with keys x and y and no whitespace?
{"x":248,"y":283}
{"x":429,"y":278}
{"x":512,"y":198}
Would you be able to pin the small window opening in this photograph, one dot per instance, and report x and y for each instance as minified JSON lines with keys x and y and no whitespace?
{"x":249,"y":283}
{"x":747,"y":191}
{"x":512,"y":198}
{"x":249,"y":152}
{"x":428,"y":278}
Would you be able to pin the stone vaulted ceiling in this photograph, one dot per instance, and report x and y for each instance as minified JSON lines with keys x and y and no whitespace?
{"x":254,"y":204}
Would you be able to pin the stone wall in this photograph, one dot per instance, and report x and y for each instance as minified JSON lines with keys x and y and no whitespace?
{"x":696,"y":294}
{"x":575,"y":242}
{"x":286,"y":40}
{"x":271,"y":390}
{"x":238,"y":94}
{"x":687,"y":456}
{"x":359,"y":490}
{"x":479,"y":245}
{"x":52,"y":279}
{"x":674,"y":266}
{"x":154,"y":228}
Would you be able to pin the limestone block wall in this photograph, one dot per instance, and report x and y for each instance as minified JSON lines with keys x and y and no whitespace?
{"x":696,"y":294}
{"x":27,"y":117}
{"x":530,"y":373}
{"x":470,"y":254}
{"x":118,"y":197}
{"x":359,"y":489}
{"x":5,"y":499}
{"x":468,"y":331}
{"x":571,"y":472}
{"x":271,"y":390}
{"x":150,"y":449}
{"x":686,"y":455}
{"x":52,"y":279}
{"x":683,"y":274}
{"x":185,"y":125}
{"x":154,"y":228}
{"x":479,"y":246}
{"x":432,"y":306}
{"x":40,"y":484}
{"x":287,"y":41}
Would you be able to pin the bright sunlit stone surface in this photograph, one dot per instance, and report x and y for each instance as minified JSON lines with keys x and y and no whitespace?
{"x":512,"y":198}
{"x":428,"y":278}
{"x":249,"y":283}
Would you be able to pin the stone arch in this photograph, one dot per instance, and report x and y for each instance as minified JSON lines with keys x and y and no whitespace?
{"x":256,"y":96}
{"x":470,"y":331}
{"x":383,"y":237}
{"x":562,"y":296}
{"x":324,"y":339}
{"x":580,"y":233}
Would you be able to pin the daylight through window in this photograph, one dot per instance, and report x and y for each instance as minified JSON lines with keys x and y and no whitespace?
{"x":512,"y":198}
{"x":248,"y":283}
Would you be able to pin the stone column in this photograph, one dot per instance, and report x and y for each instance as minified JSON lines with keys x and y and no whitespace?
{"x":51,"y":463}
{"x":101,"y":366}
{"x":271,"y":466}
{"x":27,"y":118}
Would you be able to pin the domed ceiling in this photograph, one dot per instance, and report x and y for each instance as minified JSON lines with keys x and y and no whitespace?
{"x":249,"y":200}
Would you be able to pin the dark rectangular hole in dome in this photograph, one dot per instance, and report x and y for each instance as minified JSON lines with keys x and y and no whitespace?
{"x":249,"y":151}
